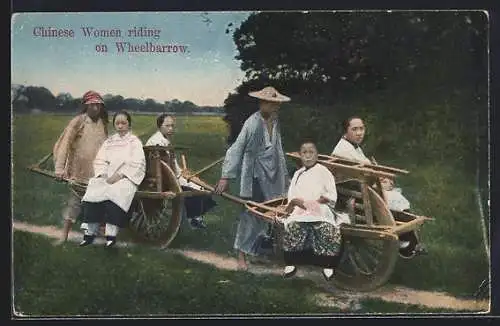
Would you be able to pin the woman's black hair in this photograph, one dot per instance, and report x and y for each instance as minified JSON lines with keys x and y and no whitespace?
{"x":347,"y":122}
{"x":126,"y":114}
{"x":161,"y":118}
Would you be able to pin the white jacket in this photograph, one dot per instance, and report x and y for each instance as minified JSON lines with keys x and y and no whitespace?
{"x":346,"y":150}
{"x":309,"y":185}
{"x":117,"y":154}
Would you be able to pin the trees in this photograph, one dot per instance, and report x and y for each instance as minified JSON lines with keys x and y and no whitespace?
{"x":408,"y":73}
{"x":39,"y":98}
{"x":27,"y":98}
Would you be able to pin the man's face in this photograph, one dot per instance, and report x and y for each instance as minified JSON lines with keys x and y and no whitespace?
{"x":269,"y":107}
{"x":93,"y":110}
{"x":308,"y":154}
{"x":355,"y":132}
{"x":168,"y":127}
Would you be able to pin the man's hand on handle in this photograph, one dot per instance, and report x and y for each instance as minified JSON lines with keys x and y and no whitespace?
{"x":221,"y":186}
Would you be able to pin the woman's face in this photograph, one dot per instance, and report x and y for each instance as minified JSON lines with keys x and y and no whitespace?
{"x":121,"y":124}
{"x":308,"y":154}
{"x":387,"y":184}
{"x":168,"y":127}
{"x":356,"y":131}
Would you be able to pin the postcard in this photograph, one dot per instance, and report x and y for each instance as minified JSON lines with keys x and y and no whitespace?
{"x":141,"y":139}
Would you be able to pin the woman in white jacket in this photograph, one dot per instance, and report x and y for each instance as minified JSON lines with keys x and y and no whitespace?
{"x":119,"y":169}
{"x":312,"y":229}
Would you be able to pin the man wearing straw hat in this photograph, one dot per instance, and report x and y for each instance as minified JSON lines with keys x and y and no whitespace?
{"x":76,"y":149}
{"x":258,"y":159}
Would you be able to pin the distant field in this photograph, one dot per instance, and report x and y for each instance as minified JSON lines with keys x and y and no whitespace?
{"x":456,"y":262}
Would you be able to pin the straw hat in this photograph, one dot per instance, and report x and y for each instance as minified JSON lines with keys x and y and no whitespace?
{"x":270,"y":94}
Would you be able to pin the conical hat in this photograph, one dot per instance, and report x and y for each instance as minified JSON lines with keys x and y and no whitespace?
{"x":270,"y":94}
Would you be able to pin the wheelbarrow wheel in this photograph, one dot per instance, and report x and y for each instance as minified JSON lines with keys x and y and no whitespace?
{"x":157,"y":221}
{"x":366,"y":263}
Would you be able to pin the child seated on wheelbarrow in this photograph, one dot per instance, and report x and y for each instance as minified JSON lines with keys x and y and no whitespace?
{"x":409,"y":244}
{"x":312,"y":230}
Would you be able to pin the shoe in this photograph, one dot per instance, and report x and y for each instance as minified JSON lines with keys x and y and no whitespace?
{"x":198,"y":223}
{"x":87,"y":240}
{"x":110,"y":241}
{"x":404,"y":244}
{"x":84,"y":226}
{"x":328,"y":273}
{"x":289,"y":271}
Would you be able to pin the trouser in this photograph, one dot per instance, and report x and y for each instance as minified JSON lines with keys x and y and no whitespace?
{"x":197,"y":205}
{"x":107,"y":212}
{"x":312,"y":243}
{"x":251,"y":230}
{"x":73,"y":207}
{"x":111,"y":230}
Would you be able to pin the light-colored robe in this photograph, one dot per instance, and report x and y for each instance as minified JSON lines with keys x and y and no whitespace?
{"x":309,"y":185}
{"x":77,"y":147}
{"x":117,"y":154}
{"x":346,"y":150}
{"x":256,"y":154}
{"x":158,"y":139}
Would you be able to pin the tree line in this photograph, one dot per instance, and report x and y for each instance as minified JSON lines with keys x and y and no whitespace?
{"x":27,"y":99}
{"x":420,"y":79}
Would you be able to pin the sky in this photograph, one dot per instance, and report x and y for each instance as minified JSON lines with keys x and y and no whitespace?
{"x":205,"y":74}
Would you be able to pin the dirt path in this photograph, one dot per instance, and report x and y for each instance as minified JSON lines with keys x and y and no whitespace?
{"x":332,"y":297}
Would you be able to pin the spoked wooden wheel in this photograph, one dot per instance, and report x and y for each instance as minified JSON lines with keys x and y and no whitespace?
{"x":157,"y":221}
{"x":369,"y":253}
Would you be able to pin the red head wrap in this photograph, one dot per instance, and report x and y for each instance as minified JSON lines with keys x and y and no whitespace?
{"x":92,"y":97}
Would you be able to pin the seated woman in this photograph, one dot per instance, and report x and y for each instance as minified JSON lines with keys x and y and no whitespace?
{"x":119,"y":168}
{"x":312,"y":232}
{"x":349,"y":147}
{"x":195,"y":206}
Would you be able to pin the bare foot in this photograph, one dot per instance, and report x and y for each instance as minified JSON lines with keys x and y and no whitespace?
{"x":242,"y":266}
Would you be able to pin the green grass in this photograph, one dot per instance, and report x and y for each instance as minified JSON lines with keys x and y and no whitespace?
{"x":456,"y":262}
{"x":69,"y":281}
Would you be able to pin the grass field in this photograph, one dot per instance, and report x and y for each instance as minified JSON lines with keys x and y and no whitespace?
{"x":62,"y":280}
{"x":52,"y":280}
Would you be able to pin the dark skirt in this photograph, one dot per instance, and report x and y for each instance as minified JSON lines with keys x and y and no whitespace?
{"x":197,"y":205}
{"x":104,"y":212}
